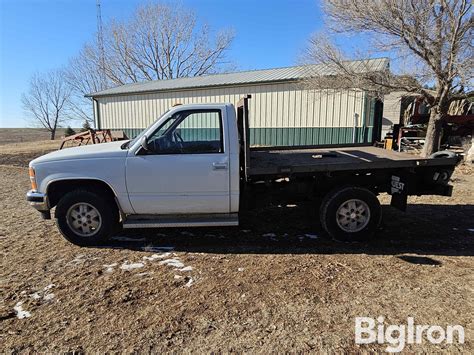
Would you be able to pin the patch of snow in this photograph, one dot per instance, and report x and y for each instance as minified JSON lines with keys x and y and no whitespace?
{"x":156,"y":256}
{"x":187,"y":233}
{"x":190,"y":282}
{"x":471,"y":230}
{"x":311,"y":236}
{"x":49,"y":287}
{"x":48,"y":297}
{"x":161,"y":235}
{"x":240,"y":269}
{"x":143,"y":274}
{"x":78,"y":259}
{"x":245,"y":230}
{"x":269,"y":235}
{"x":110,"y":267}
{"x":186,"y":268}
{"x":35,"y":296}
{"x":20,"y":313}
{"x":172,"y":262}
{"x":158,"y":249}
{"x":209,"y":235}
{"x":291,"y":206}
{"x":177,"y":277}
{"x":126,"y":266}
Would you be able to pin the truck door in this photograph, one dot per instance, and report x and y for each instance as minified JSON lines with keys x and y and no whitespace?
{"x":185,"y":168}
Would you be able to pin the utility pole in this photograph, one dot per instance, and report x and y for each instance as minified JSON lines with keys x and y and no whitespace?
{"x":100,"y":44}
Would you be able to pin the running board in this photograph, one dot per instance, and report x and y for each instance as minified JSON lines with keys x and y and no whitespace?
{"x":208,"y":220}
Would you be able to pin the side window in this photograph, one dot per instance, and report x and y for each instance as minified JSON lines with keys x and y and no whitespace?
{"x":189,"y":132}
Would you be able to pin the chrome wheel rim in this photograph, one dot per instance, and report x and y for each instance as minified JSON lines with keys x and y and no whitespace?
{"x":84,"y":219}
{"x":353,"y":215}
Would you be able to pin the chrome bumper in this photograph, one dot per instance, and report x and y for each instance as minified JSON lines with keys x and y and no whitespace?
{"x":38,"y":200}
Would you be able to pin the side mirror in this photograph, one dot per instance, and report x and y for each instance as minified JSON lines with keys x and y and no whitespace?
{"x":144,"y":143}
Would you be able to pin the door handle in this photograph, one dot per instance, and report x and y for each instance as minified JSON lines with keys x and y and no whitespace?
{"x":219,"y":166}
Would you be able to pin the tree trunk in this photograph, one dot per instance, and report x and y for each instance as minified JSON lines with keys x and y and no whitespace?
{"x":470,"y":152}
{"x":433,"y":132}
{"x":53,"y":134}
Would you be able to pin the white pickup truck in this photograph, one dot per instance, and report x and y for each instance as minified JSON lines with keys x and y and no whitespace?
{"x":194,"y":167}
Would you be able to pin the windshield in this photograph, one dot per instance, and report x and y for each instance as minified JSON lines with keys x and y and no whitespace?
{"x":131,"y":142}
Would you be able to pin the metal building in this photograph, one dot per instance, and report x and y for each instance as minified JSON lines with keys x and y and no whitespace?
{"x":282,"y":110}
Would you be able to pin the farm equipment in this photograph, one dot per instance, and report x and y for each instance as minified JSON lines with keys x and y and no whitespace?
{"x":410,"y":133}
{"x":92,"y":137}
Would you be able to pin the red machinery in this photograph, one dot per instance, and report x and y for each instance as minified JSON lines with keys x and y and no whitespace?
{"x":92,"y":137}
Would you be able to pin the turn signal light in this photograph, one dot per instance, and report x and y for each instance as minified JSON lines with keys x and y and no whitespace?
{"x":31,"y":171}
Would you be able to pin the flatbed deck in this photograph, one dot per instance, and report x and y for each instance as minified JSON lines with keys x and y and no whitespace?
{"x":279,"y":162}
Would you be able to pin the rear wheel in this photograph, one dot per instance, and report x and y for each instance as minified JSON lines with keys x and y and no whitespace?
{"x":351,"y":214}
{"x":86,"y":218}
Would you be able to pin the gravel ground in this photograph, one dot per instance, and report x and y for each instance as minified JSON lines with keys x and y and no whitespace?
{"x":277,"y":283}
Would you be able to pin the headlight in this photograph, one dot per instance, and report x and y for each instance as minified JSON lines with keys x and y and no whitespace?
{"x":31,"y":171}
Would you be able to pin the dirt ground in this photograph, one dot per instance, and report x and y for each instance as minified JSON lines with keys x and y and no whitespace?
{"x":275,"y":284}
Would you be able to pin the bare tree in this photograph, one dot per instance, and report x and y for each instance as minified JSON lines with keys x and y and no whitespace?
{"x":162,"y":41}
{"x":159,"y":41}
{"x":46,"y":101}
{"x":432,"y":40}
{"x":83,"y":76}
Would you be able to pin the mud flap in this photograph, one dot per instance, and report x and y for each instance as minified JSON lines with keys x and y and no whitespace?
{"x":398,"y":190}
{"x":399,"y":201}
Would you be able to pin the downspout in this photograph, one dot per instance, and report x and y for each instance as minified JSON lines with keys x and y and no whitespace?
{"x":364,"y":117}
{"x":96,"y":112}
{"x":354,"y":132}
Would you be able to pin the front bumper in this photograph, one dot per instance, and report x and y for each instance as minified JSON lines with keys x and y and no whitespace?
{"x":38,"y":200}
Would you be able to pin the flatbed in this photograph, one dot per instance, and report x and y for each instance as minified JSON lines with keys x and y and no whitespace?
{"x":275,"y":162}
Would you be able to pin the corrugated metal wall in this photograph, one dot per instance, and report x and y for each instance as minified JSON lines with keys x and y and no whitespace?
{"x":280,"y":114}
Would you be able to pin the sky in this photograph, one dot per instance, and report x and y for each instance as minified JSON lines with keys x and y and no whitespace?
{"x":41,"y":35}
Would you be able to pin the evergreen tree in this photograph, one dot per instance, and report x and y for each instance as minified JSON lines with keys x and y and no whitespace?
{"x":69,"y":131}
{"x":86,"y":126}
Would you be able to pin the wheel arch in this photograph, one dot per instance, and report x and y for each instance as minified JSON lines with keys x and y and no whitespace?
{"x":57,"y":188}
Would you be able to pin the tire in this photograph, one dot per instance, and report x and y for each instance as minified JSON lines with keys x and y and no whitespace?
{"x":443,"y":154}
{"x":363,"y":220}
{"x":90,"y":207}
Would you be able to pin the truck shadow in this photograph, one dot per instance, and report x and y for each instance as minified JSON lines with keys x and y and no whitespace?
{"x":424,"y":229}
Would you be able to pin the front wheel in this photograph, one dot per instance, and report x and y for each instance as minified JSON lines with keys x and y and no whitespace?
{"x":86,"y":218}
{"x":351,"y":214}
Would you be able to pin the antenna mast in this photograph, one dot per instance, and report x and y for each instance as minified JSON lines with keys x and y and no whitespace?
{"x":100,"y":44}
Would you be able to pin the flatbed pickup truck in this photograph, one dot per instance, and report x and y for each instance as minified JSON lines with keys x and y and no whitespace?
{"x":194,"y":167}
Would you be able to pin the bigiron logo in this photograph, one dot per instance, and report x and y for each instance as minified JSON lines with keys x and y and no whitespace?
{"x":369,"y":330}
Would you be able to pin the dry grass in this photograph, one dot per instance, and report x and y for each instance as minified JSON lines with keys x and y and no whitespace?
{"x":19,"y":135}
{"x":18,"y":146}
{"x":27,"y":147}
{"x":249,"y":291}
{"x":20,"y":154}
